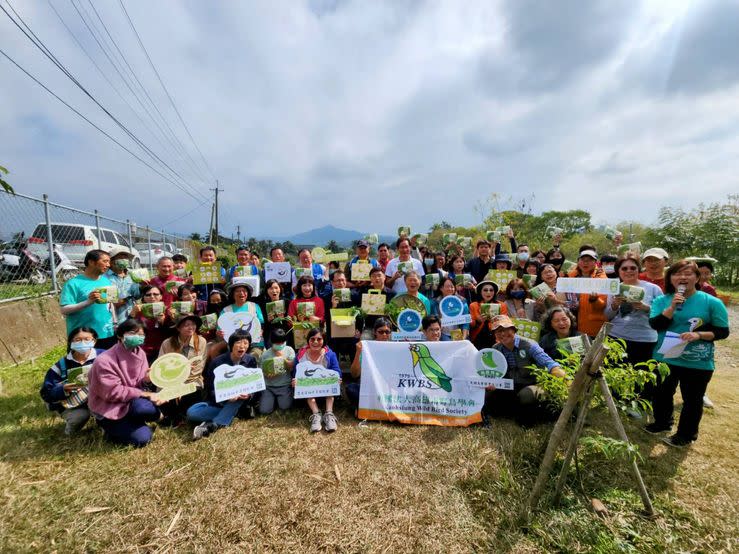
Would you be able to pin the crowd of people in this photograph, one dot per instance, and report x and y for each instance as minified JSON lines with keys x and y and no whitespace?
{"x":116,"y":341}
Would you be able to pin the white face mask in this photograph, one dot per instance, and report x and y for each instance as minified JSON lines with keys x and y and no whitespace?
{"x":609,"y":268}
{"x":523,"y":257}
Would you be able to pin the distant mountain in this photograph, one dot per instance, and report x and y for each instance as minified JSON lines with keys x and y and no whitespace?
{"x":322,"y":235}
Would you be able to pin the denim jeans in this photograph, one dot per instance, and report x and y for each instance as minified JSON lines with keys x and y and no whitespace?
{"x":221,"y":415}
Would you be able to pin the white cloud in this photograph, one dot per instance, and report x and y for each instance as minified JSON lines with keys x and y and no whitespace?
{"x":371,"y":114}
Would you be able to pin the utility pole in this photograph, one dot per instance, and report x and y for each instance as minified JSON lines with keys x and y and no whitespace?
{"x":238,"y":234}
{"x":216,"y":190}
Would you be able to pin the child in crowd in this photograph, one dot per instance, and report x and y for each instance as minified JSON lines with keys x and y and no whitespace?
{"x":68,"y":396}
{"x":277,"y":364}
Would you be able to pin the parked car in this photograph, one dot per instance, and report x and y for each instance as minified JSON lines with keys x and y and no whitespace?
{"x":76,"y":240}
{"x":158,"y":249}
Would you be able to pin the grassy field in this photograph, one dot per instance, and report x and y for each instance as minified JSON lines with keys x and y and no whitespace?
{"x":266,"y":485}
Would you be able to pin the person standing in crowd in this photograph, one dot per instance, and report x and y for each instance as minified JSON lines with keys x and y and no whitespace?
{"x":395,"y":278}
{"x":699,"y":320}
{"x":377,"y":282}
{"x":431,"y":326}
{"x":608,"y":265}
{"x":655,"y":261}
{"x":276,"y":254}
{"x":630,"y":320}
{"x":558,"y":324}
{"x":69,"y":398}
{"x":340,"y":345}
{"x":522,"y":256}
{"x":517,"y":302}
{"x":166,"y":281}
{"x":383,"y":256}
{"x":556,"y":258}
{"x":305,"y":292}
{"x":548,"y":274}
{"x":481,"y":330}
{"x":240,"y":300}
{"x":456,"y":267}
{"x":452,"y":332}
{"x":207,"y":255}
{"x":128,"y":291}
{"x":211,"y":415}
{"x":118,"y":383}
{"x":525,"y":401}
{"x":157,"y":327}
{"x":591,"y":307}
{"x":317,"y":272}
{"x":273,"y":292}
{"x":706,"y":269}
{"x":317,"y":353}
{"x":180,"y":265}
{"x":503,"y":262}
{"x":413,"y":288}
{"x":362,"y":256}
{"x":540,"y":256}
{"x":187,"y":293}
{"x":479,"y":266}
{"x":81,"y":302}
{"x":243,"y":259}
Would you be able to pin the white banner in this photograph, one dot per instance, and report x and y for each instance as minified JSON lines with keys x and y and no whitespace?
{"x":234,"y":380}
{"x":585,"y":285}
{"x":420,"y":382}
{"x":314,"y":381}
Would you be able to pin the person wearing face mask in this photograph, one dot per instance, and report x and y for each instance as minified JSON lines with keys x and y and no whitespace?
{"x":277,"y":375}
{"x":608,"y":265}
{"x":118,"y":383}
{"x":68,"y":397}
{"x":556,"y":258}
{"x":128,"y":291}
{"x":517,"y":303}
{"x":522,"y":256}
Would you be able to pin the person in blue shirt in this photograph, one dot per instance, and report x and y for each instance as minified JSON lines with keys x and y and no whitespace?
{"x":208,"y":256}
{"x":243,"y":258}
{"x":451,"y":332}
{"x":81,"y":302}
{"x":128,"y":291}
{"x":363,"y":256}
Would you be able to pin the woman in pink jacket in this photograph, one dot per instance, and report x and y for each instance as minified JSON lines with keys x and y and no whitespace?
{"x":117,"y":389}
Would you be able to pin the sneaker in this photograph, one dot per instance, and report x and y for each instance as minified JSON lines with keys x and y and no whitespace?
{"x":707,"y":403}
{"x":677,"y":441}
{"x":657,"y":428}
{"x":315,"y":422}
{"x":203,"y":430}
{"x":330,"y":422}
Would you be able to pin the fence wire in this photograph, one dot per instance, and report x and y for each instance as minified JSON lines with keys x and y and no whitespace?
{"x":43,"y":244}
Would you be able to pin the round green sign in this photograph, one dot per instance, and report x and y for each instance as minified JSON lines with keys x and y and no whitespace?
{"x":170,"y":370}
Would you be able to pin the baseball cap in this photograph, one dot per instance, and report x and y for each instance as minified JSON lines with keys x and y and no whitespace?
{"x":592,"y":253}
{"x":655,"y":253}
{"x":362,"y":243}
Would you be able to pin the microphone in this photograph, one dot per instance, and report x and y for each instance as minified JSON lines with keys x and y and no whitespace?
{"x":680,"y":290}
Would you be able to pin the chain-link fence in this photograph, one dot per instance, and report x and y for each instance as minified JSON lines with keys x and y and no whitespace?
{"x":43,"y":244}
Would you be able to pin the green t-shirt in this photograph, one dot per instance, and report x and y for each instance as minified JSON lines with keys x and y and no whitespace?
{"x":698,"y":310}
{"x":97,"y":316}
{"x":281,"y":378}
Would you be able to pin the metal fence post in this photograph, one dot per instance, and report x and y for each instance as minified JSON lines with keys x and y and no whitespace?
{"x":52,"y":261}
{"x":130,"y":238}
{"x":148,"y":240}
{"x":100,"y":234}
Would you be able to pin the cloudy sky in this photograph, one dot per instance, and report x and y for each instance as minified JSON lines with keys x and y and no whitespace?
{"x":371,"y":114}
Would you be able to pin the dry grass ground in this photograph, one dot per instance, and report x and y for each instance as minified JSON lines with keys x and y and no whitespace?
{"x":266,"y":485}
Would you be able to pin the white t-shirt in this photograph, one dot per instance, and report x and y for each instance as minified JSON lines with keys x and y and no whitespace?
{"x":392,"y":266}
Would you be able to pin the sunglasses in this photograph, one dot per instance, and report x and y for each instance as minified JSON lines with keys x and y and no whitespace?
{"x":316,"y":339}
{"x":383,"y":331}
{"x":629,"y":268}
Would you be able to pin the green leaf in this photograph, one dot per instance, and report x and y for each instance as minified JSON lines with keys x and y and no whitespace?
{"x":6,"y":186}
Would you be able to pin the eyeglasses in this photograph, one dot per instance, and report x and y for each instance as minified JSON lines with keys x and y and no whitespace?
{"x":383,"y":331}
{"x":629,"y":268}
{"x":315,"y":339}
{"x":153,"y":294}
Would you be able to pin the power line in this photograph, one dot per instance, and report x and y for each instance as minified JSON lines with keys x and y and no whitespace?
{"x":177,"y":142}
{"x":166,"y":177}
{"x":107,"y":79}
{"x":42,"y":47}
{"x":169,"y":96}
{"x":183,"y":216}
{"x":114,"y":63}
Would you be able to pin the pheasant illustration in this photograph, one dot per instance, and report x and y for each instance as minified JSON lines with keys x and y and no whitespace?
{"x":429,"y":367}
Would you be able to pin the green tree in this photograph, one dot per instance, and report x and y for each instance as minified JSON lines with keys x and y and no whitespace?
{"x":6,"y":186}
{"x":332,"y":246}
{"x":196,"y":237}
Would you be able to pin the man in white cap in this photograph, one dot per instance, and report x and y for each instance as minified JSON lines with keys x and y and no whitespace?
{"x":655,"y":261}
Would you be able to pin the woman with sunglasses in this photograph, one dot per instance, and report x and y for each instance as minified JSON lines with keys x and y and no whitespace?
{"x":316,"y":352}
{"x":630,"y":320}
{"x":382,"y":331}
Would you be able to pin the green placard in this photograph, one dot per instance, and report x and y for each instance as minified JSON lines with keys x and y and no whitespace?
{"x":206,"y":274}
{"x":527,"y":328}
{"x":501,"y":277}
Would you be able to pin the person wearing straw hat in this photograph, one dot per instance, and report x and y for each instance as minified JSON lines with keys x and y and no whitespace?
{"x":525,"y":401}
{"x":240,"y":292}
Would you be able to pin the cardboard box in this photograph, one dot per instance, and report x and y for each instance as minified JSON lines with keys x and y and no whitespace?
{"x":343,"y":323}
